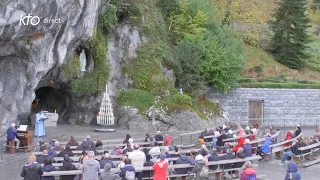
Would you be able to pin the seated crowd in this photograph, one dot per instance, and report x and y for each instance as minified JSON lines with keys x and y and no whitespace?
{"x":159,"y":155}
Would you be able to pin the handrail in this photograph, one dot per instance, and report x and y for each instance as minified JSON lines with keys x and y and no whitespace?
{"x":286,"y":141}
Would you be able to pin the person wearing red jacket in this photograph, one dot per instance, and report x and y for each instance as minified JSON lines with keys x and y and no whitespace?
{"x":288,"y":137}
{"x":160,"y":168}
{"x":239,"y":144}
{"x":167,"y":140}
{"x":248,"y":172}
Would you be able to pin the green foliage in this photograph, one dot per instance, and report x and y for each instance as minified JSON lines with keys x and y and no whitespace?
{"x":247,"y":80}
{"x":140,"y":99}
{"x":315,"y":5}
{"x":94,"y":82}
{"x":182,"y":99}
{"x":258,"y":69}
{"x":71,"y":69}
{"x":223,"y":61}
{"x":108,"y":20}
{"x":290,"y":38}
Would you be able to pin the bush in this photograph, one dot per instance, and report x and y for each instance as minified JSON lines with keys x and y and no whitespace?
{"x":182,"y":99}
{"x":140,"y":99}
{"x":71,"y":69}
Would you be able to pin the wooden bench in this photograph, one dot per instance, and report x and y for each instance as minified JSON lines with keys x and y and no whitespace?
{"x":10,"y":146}
{"x":309,"y":155}
{"x":278,"y":148}
{"x":218,"y":173}
{"x":310,"y":163}
{"x":113,"y":141}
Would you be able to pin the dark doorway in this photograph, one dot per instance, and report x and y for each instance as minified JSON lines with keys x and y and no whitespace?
{"x":255,"y":112}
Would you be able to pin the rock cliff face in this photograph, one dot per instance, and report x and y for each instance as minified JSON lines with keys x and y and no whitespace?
{"x":33,"y":53}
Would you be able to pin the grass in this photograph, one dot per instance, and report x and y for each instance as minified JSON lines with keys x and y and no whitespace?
{"x":140,"y":99}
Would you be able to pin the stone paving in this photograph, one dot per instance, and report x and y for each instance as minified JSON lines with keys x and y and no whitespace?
{"x":10,"y":170}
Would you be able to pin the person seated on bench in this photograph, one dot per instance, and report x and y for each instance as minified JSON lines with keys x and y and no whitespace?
{"x":148,"y":163}
{"x":122,"y":164}
{"x":230,"y":134}
{"x":266,"y":133}
{"x":247,"y":130}
{"x":294,"y":150}
{"x":227,"y":156}
{"x":67,"y":166}
{"x":42,"y":146}
{"x":213,"y":157}
{"x":73,"y":142}
{"x":264,"y":149}
{"x":306,"y":142}
{"x":314,"y":139}
{"x":116,"y":151}
{"x":240,"y":142}
{"x":252,"y":136}
{"x":57,"y":146}
{"x":198,"y":168}
{"x":65,"y":151}
{"x":175,"y":152}
{"x":292,"y":170}
{"x":183,"y":160}
{"x":106,"y":159}
{"x":44,"y":156}
{"x":99,"y":145}
{"x":107,"y":174}
{"x":168,"y":140}
{"x":52,"y":142}
{"x":248,"y":172}
{"x":203,"y":148}
{"x":12,"y":135}
{"x":255,"y":129}
{"x":288,"y":137}
{"x":128,"y":149}
{"x":48,"y":167}
{"x":159,"y":137}
{"x":203,"y":134}
{"x":84,"y":146}
{"x":126,"y":141}
{"x":166,"y":152}
{"x":155,"y":151}
{"x":239,"y":155}
{"x":226,"y":128}
{"x":220,"y":139}
{"x":298,"y":131}
{"x":51,"y":152}
{"x":247,"y":148}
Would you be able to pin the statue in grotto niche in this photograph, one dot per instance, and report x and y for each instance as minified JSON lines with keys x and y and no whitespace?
{"x":83,"y":61}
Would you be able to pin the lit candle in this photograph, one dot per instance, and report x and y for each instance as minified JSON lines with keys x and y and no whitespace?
{"x":55,"y":111}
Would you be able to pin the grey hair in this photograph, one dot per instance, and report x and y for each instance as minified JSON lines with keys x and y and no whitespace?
{"x":56,"y":143}
{"x":247,"y":164}
{"x":240,"y":150}
{"x":88,"y":136}
{"x":13,"y":125}
{"x":107,"y":167}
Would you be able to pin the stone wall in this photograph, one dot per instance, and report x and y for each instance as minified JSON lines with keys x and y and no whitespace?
{"x":288,"y":107}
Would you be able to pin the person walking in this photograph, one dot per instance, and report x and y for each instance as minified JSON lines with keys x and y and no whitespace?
{"x":248,"y":172}
{"x":292,"y":171}
{"x":160,"y":168}
{"x":90,"y":168}
{"x":31,"y":170}
{"x":12,"y":135}
{"x":107,"y":174}
{"x":138,"y":158}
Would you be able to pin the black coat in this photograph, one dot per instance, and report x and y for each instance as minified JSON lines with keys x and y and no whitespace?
{"x":66,"y":151}
{"x":147,"y":173}
{"x":227,"y":157}
{"x":220,"y":140}
{"x":31,"y":171}
{"x":41,"y":159}
{"x":48,"y":168}
{"x":67,"y":166}
{"x":104,"y":161}
{"x":213,"y":157}
{"x":239,"y":164}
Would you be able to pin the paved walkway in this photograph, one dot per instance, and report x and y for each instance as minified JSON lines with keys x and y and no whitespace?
{"x":10,"y":170}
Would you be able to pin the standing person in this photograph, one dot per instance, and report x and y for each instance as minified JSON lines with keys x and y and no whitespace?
{"x":292,"y":171}
{"x":265,"y":149}
{"x":200,"y":168}
{"x":298,"y":131}
{"x":90,"y":168}
{"x":31,"y":170}
{"x":12,"y":135}
{"x":127,"y":172}
{"x":67,"y":166}
{"x":48,"y":167}
{"x":160,"y":168}
{"x":40,"y":130}
{"x":248,"y":172}
{"x":138,"y":158}
{"x":107,"y":174}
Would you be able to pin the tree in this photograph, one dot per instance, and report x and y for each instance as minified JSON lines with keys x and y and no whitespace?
{"x":315,"y":5}
{"x":290,"y":38}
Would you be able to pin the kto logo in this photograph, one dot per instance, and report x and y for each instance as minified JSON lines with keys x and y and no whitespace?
{"x":25,"y":20}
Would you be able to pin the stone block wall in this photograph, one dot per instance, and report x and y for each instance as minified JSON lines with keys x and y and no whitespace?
{"x":289,"y":107}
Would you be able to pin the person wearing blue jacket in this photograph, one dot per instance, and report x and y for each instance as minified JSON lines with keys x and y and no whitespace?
{"x":292,"y":171}
{"x":127,"y":168}
{"x":265,"y":149}
{"x":184,"y":160}
{"x":12,"y":135}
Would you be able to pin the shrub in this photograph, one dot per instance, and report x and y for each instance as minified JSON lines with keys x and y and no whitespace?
{"x":182,"y":99}
{"x":247,"y":80}
{"x":71,"y":69}
{"x":140,"y":99}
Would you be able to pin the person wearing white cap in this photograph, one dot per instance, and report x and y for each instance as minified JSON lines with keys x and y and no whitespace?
{"x":159,"y":137}
{"x":12,"y":135}
{"x":200,"y":169}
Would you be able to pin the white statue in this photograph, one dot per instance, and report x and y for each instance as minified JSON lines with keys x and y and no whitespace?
{"x":181,"y":92}
{"x":83,"y":61}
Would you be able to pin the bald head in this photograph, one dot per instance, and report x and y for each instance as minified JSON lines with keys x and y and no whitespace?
{"x":136,"y":146}
{"x":158,"y":132}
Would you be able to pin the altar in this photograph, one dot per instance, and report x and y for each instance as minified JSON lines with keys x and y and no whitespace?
{"x":50,"y":122}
